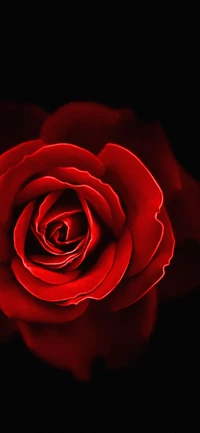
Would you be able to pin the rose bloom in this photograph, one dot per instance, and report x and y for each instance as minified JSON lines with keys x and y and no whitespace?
{"x":92,"y":202}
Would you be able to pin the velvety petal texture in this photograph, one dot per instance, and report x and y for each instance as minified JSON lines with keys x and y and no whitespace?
{"x":97,"y":222}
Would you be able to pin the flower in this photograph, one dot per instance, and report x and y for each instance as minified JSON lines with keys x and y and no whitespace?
{"x":91,"y":204}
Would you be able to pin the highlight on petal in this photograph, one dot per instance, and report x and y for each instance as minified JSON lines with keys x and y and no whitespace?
{"x":117,"y":337}
{"x":17,"y":303}
{"x":132,"y":289}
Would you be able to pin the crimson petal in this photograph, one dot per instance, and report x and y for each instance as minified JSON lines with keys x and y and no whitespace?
{"x":59,"y":261}
{"x":6,"y":247}
{"x":120,"y":264}
{"x":149,"y":142}
{"x":143,"y":199}
{"x":38,"y":226}
{"x":56,"y":293}
{"x":15,"y":155}
{"x":17,"y":303}
{"x":132,"y":289}
{"x":93,"y":238}
{"x":43,"y":274}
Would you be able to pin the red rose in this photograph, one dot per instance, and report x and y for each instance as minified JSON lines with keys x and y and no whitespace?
{"x":86,"y":234}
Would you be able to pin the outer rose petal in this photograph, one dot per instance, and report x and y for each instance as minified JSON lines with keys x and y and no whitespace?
{"x":149,"y":142}
{"x":17,"y":303}
{"x":118,"y":337}
{"x":132,"y":289}
{"x":142,"y":198}
{"x":182,"y":201}
{"x":7,"y":327}
{"x":15,"y":155}
{"x":6,"y":246}
{"x":19,"y":123}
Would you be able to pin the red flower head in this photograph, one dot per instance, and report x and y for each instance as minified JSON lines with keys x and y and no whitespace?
{"x":91,"y":208}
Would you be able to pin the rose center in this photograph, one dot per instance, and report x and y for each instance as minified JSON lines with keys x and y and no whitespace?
{"x":69,"y":229}
{"x":56,"y":231}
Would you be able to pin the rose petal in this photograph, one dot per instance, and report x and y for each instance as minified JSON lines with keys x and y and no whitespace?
{"x":59,"y":261}
{"x":143,"y":199}
{"x":132,"y":289}
{"x":48,"y":201}
{"x":18,"y":123}
{"x":6,"y":247}
{"x":96,"y":229}
{"x":53,"y":293}
{"x":58,"y":203}
{"x":44,"y":159}
{"x":17,"y":303}
{"x":120,"y":264}
{"x":93,"y":239}
{"x":20,"y":232}
{"x":75,"y":223}
{"x":149,"y":142}
{"x":45,"y":212}
{"x":118,"y":337}
{"x":15,"y":155}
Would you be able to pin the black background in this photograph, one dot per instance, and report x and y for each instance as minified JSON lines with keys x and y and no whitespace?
{"x":162,"y":388}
